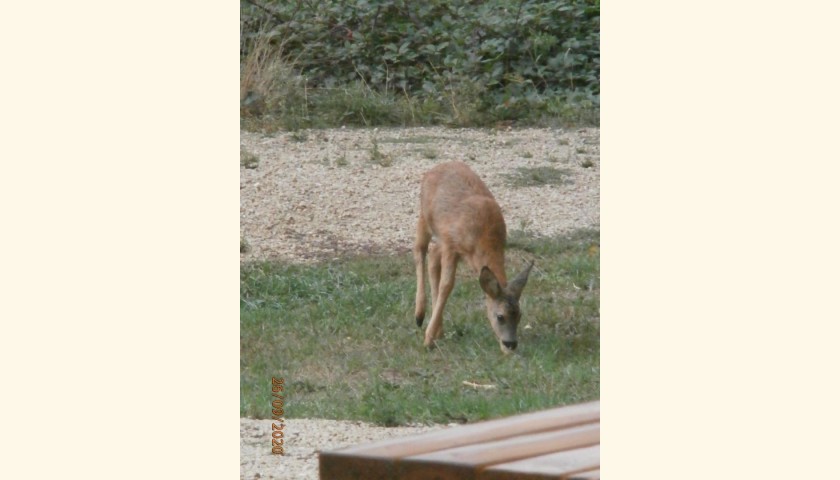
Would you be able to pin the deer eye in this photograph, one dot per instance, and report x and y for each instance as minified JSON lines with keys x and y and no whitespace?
{"x":500,"y":318}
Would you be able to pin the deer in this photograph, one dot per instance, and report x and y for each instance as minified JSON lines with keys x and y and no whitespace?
{"x":461,"y":220}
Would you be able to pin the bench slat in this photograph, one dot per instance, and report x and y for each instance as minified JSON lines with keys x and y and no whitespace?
{"x":465,"y":462}
{"x":381,"y":460}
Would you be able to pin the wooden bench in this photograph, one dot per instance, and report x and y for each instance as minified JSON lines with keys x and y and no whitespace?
{"x":561,"y":443}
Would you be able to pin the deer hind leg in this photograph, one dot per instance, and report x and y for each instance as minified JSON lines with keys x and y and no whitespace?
{"x":434,"y":271}
{"x":421,"y":246}
{"x":448,"y":262}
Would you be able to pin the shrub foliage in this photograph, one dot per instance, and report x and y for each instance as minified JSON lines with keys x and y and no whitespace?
{"x":506,"y":59}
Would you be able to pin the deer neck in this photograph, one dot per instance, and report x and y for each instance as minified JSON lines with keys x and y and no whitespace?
{"x":492,"y":260}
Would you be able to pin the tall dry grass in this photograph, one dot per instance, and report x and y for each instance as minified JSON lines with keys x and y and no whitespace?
{"x":267,"y":77}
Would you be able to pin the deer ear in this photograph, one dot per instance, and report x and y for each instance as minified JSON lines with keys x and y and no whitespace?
{"x":519,"y":282}
{"x":489,"y":283}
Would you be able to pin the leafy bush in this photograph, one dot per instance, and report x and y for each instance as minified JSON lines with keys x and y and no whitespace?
{"x":483,"y":60}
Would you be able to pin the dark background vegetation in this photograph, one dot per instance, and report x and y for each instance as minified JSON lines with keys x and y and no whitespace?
{"x":398,"y":62}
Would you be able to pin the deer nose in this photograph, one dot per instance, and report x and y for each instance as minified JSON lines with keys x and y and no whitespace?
{"x":510,"y":345}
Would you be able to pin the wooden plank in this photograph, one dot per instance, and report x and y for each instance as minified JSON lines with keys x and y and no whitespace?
{"x":377,"y":461}
{"x":465,"y":462}
{"x":553,"y":465}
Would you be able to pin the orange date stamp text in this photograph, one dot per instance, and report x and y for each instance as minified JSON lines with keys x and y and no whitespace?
{"x":277,"y":388}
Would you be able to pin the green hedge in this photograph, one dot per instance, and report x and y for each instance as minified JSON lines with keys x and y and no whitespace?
{"x":511,"y":56}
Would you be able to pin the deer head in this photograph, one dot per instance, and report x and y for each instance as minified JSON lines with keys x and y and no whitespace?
{"x":503,"y":305}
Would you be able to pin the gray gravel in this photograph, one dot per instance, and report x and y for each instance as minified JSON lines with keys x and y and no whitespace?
{"x":304,"y":438}
{"x":320,"y":194}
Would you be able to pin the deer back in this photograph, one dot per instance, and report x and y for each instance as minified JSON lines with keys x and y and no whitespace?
{"x":463,"y":215}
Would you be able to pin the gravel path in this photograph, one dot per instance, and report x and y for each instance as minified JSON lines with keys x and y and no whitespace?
{"x":324,"y":194}
{"x":304,"y":438}
{"x":320,"y":194}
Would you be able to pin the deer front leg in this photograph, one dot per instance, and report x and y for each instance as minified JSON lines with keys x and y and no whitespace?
{"x":448,"y":263}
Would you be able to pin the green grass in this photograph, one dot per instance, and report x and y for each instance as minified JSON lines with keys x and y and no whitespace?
{"x":429,"y":153}
{"x":341,"y":161}
{"x":285,"y":104}
{"x":379,"y":157}
{"x":355,"y":105}
{"x":248,"y":159}
{"x":538,"y":176}
{"x":343,"y":337}
{"x":415,"y":139}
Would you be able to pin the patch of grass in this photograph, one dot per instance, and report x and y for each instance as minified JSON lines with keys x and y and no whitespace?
{"x":243,"y":245}
{"x":587,"y":163}
{"x":342,"y":160}
{"x":429,"y":153}
{"x":538,"y":176}
{"x":248,"y":159}
{"x":358,"y":105}
{"x":379,"y":157}
{"x":527,"y":154}
{"x":299,"y":136}
{"x":290,"y":105}
{"x":418,"y":139}
{"x":342,"y":335}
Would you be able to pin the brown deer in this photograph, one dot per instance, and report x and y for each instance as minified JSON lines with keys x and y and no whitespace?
{"x":459,"y":213}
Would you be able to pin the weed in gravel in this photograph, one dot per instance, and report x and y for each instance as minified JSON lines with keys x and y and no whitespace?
{"x":299,"y":136}
{"x":248,"y":159}
{"x":524,"y":223}
{"x":587,"y":163}
{"x":538,"y":176}
{"x":342,"y":160}
{"x":379,"y":157}
{"x":429,"y":153}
